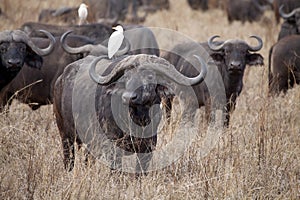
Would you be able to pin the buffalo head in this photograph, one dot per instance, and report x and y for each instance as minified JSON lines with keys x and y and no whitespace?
{"x":141,"y":87}
{"x":16,"y":48}
{"x":235,"y":54}
{"x":292,"y":18}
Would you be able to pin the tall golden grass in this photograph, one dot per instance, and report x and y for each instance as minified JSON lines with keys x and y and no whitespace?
{"x":257,"y":157}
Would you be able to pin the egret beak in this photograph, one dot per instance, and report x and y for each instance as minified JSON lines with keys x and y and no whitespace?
{"x":115,"y":28}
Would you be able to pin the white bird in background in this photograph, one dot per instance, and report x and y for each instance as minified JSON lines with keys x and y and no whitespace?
{"x":115,"y":41}
{"x":82,"y":13}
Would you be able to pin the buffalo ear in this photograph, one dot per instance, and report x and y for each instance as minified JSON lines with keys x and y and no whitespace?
{"x":217,"y":56}
{"x":33,"y":60}
{"x":254,"y":59}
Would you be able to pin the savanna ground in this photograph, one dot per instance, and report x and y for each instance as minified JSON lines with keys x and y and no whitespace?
{"x":257,"y":157}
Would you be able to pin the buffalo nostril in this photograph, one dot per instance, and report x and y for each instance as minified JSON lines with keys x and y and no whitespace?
{"x":235,"y":65}
{"x":133,"y":96}
{"x":129,"y":97}
{"x":14,"y":62}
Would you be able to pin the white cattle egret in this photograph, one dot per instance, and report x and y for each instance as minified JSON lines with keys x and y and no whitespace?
{"x":82,"y":13}
{"x":115,"y":41}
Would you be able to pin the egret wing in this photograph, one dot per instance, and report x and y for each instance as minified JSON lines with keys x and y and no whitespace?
{"x":114,"y":43}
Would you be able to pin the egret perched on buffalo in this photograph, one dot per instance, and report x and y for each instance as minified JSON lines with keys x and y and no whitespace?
{"x":82,"y":13}
{"x":115,"y":41}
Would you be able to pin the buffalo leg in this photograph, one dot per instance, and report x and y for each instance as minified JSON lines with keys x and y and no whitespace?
{"x":5,"y":99}
{"x":229,"y":109}
{"x":144,"y":158}
{"x":69,"y":154}
{"x":283,"y":84}
{"x":167,"y":105}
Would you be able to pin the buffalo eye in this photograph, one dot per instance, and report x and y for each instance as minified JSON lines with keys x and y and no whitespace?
{"x":227,"y":51}
{"x":80,"y":56}
{"x":126,"y":75}
{"x":150,"y":77}
{"x":23,"y":49}
{"x":3,"y":48}
{"x":244,"y":53}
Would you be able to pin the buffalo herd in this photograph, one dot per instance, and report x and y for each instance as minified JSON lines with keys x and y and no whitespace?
{"x":66,"y":65}
{"x":284,"y":56}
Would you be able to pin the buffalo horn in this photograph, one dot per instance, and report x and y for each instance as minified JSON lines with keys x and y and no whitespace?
{"x":99,"y":49}
{"x":20,"y":36}
{"x":167,"y":70}
{"x":104,"y":80}
{"x":218,"y":47}
{"x":171,"y":72}
{"x":213,"y":46}
{"x":5,"y":36}
{"x":259,"y":46}
{"x":75,"y":50}
{"x":45,"y":51}
{"x":287,"y":15}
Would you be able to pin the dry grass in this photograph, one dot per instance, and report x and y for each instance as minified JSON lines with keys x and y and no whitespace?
{"x":257,"y":157}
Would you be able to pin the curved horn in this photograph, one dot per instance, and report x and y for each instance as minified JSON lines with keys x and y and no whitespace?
{"x":171,"y":72}
{"x":287,"y":15}
{"x":168,"y":70}
{"x":75,"y":50}
{"x":105,"y":80}
{"x":5,"y":36}
{"x":92,"y":71}
{"x":213,"y":46}
{"x":21,"y":36}
{"x":259,"y":46}
{"x":96,"y":50}
{"x":47,"y":50}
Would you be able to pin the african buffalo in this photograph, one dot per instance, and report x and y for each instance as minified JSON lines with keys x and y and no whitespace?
{"x":104,"y":11}
{"x":284,"y":64}
{"x":109,"y":12}
{"x":135,"y":82}
{"x":291,"y":24}
{"x":65,"y":15}
{"x":244,"y":10}
{"x":230,"y":57}
{"x":34,"y":86}
{"x":289,"y":6}
{"x":116,"y":11}
{"x":17,"y":50}
{"x":198,"y":4}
